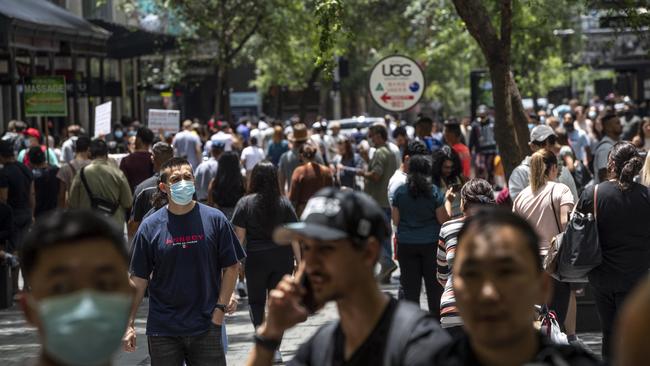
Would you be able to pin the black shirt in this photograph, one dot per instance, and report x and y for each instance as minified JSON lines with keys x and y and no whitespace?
{"x":142,"y":197}
{"x":424,"y":340}
{"x":259,"y":224}
{"x":46,"y":188}
{"x":459,"y":353}
{"x":623,"y":232}
{"x":17,"y":178}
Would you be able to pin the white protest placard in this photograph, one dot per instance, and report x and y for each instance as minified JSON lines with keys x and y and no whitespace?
{"x":396,"y":83}
{"x":103,"y":119}
{"x":167,"y":120}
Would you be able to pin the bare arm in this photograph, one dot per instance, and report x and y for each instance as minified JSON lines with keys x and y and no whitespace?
{"x":441,"y":215}
{"x":62,"y":195}
{"x":394,"y":213}
{"x":564,"y":214}
{"x":129,"y":339}
{"x":241,"y":235}
{"x":228,"y":280}
{"x":4,"y":193}
{"x":282,"y":181}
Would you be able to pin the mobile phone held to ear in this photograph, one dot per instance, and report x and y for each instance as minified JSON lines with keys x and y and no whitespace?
{"x":308,"y":300}
{"x":456,"y":188}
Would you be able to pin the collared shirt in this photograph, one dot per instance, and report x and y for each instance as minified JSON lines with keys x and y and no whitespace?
{"x":203,"y":175}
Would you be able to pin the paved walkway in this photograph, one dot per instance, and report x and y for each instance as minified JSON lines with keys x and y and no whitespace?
{"x":19,"y":343}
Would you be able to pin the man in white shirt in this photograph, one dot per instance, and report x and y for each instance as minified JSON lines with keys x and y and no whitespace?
{"x":223,"y":136}
{"x":251,"y":155}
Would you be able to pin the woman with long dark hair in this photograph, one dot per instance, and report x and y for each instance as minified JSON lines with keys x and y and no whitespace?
{"x":622,"y":212}
{"x":228,"y":186}
{"x":255,"y":217}
{"x":447,"y":176}
{"x":419,"y":211}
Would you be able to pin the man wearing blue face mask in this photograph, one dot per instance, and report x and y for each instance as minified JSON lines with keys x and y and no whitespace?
{"x":80,"y":295}
{"x":193,"y":253}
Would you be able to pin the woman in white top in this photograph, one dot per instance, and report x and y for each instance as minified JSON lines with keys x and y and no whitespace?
{"x":546,"y":204}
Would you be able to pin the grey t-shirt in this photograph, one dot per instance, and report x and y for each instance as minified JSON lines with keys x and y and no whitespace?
{"x":519,"y":179}
{"x":185,"y":145}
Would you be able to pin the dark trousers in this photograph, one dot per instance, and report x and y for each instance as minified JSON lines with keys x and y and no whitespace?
{"x":204,"y":349}
{"x":264,"y":269}
{"x":417,"y":262}
{"x":560,"y":301}
{"x":608,"y":303}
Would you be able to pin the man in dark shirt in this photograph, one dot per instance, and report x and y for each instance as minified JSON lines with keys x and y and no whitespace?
{"x":162,"y":152}
{"x":497,"y":279}
{"x":138,"y":166}
{"x":193,"y":253}
{"x":46,"y":184}
{"x":340,"y":235}
{"x":17,"y":191}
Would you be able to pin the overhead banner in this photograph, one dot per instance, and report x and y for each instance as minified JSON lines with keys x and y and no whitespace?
{"x":45,"y":96}
{"x":396,"y":83}
{"x":167,"y":120}
{"x":103,"y":119}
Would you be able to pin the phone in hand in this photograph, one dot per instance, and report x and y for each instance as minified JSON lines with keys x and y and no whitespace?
{"x":456,"y":187}
{"x":308,"y":299}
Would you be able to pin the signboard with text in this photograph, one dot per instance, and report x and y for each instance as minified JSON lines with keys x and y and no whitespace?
{"x":45,"y":96}
{"x":103,"y":119}
{"x":164,"y":119}
{"x":396,"y":83}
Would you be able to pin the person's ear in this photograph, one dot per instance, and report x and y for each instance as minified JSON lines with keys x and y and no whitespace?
{"x":372,"y":251}
{"x":163,"y":187}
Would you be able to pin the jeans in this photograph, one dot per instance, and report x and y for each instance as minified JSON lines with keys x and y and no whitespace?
{"x":386,"y":252}
{"x":200,"y":350}
{"x":608,"y":303}
{"x":264,"y":269}
{"x":418,"y":261}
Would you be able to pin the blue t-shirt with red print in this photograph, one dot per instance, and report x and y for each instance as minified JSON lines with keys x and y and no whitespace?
{"x":184,"y":256}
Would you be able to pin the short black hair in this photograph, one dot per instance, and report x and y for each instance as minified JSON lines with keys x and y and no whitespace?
{"x":82,"y":144}
{"x":98,"y":148}
{"x":145,"y":135}
{"x":424,"y":119}
{"x":399,"y":131}
{"x":171,"y":163}
{"x":380,"y":130}
{"x":6,"y":149}
{"x":454,"y":129}
{"x":491,"y":217}
{"x":67,"y":227}
{"x":36,"y":155}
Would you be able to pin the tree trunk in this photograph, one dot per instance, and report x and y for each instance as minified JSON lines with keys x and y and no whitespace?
{"x":302,"y":105}
{"x":222,"y":95}
{"x":504,"y":131}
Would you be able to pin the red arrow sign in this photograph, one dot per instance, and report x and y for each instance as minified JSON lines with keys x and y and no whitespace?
{"x":385,"y":97}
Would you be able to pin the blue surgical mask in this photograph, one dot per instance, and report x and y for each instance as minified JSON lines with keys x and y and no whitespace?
{"x":182,"y":192}
{"x":84,"y":328}
{"x":118,"y":134}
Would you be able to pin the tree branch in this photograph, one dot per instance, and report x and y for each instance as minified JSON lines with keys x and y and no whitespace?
{"x":478,"y":24}
{"x":506,"y":30}
{"x":245,"y":39}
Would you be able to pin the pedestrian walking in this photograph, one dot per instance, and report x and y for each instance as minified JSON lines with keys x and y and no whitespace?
{"x":546,"y":205}
{"x":46,"y":185}
{"x":622,"y":209}
{"x":497,"y":279}
{"x":207,"y":171}
{"x":447,"y":175}
{"x":474,"y":195}
{"x":346,"y":164}
{"x":68,"y":170}
{"x":193,"y":254}
{"x":290,"y":160}
{"x":483,"y":145}
{"x":68,"y":146}
{"x":278,"y":146}
{"x":251,"y":155}
{"x":255,"y":217}
{"x":33,"y":138}
{"x":419,"y":211}
{"x":79,"y":298}
{"x":187,"y":144}
{"x":308,"y":178}
{"x":341,"y":236}
{"x":228,"y":186}
{"x":612,"y":130}
{"x":138,"y":165}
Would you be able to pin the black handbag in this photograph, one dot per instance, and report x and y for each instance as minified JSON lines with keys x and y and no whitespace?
{"x":580,"y":251}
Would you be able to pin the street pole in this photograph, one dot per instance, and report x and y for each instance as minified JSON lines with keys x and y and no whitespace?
{"x":337,"y":91}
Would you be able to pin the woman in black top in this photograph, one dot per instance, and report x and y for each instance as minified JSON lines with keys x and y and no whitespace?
{"x":228,"y":186}
{"x":623,"y":209}
{"x":255,"y":217}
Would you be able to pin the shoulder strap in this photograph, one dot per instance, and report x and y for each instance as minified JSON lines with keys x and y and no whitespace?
{"x":596,"y":201}
{"x":405,"y":319}
{"x":85,"y":183}
{"x":559,"y":228}
{"x":322,"y":344}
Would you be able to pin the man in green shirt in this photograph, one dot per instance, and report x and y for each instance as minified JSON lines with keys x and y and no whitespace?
{"x":380,"y":169}
{"x":105,"y":181}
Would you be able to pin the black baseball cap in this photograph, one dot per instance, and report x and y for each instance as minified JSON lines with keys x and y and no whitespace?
{"x":332,"y":214}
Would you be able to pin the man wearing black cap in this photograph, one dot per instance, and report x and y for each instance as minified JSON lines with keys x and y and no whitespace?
{"x":340,"y":236}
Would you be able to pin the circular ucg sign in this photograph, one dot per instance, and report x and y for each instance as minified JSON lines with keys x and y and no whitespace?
{"x":396,"y":83}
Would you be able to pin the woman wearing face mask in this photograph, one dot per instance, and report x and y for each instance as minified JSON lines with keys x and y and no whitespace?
{"x":228,"y":186}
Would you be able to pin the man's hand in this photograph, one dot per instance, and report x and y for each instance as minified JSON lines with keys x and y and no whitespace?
{"x":217,"y":317}
{"x":128,"y":341}
{"x":450,"y":195}
{"x":285,"y":308}
{"x":232,"y":305}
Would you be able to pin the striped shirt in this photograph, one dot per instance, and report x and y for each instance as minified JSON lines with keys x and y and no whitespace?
{"x":449,"y":316}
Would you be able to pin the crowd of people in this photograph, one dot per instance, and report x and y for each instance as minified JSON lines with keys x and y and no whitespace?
{"x":293,"y":214}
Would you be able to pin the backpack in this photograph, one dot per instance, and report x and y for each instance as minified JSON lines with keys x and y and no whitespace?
{"x":102,"y":205}
{"x":26,"y":157}
{"x":405,"y":318}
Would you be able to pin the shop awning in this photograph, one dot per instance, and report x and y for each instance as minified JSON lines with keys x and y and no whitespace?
{"x":40,"y":25}
{"x":129,"y":42}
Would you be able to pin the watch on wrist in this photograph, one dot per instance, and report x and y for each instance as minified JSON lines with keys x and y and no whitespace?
{"x":270,"y":344}
{"x":221,"y":307}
